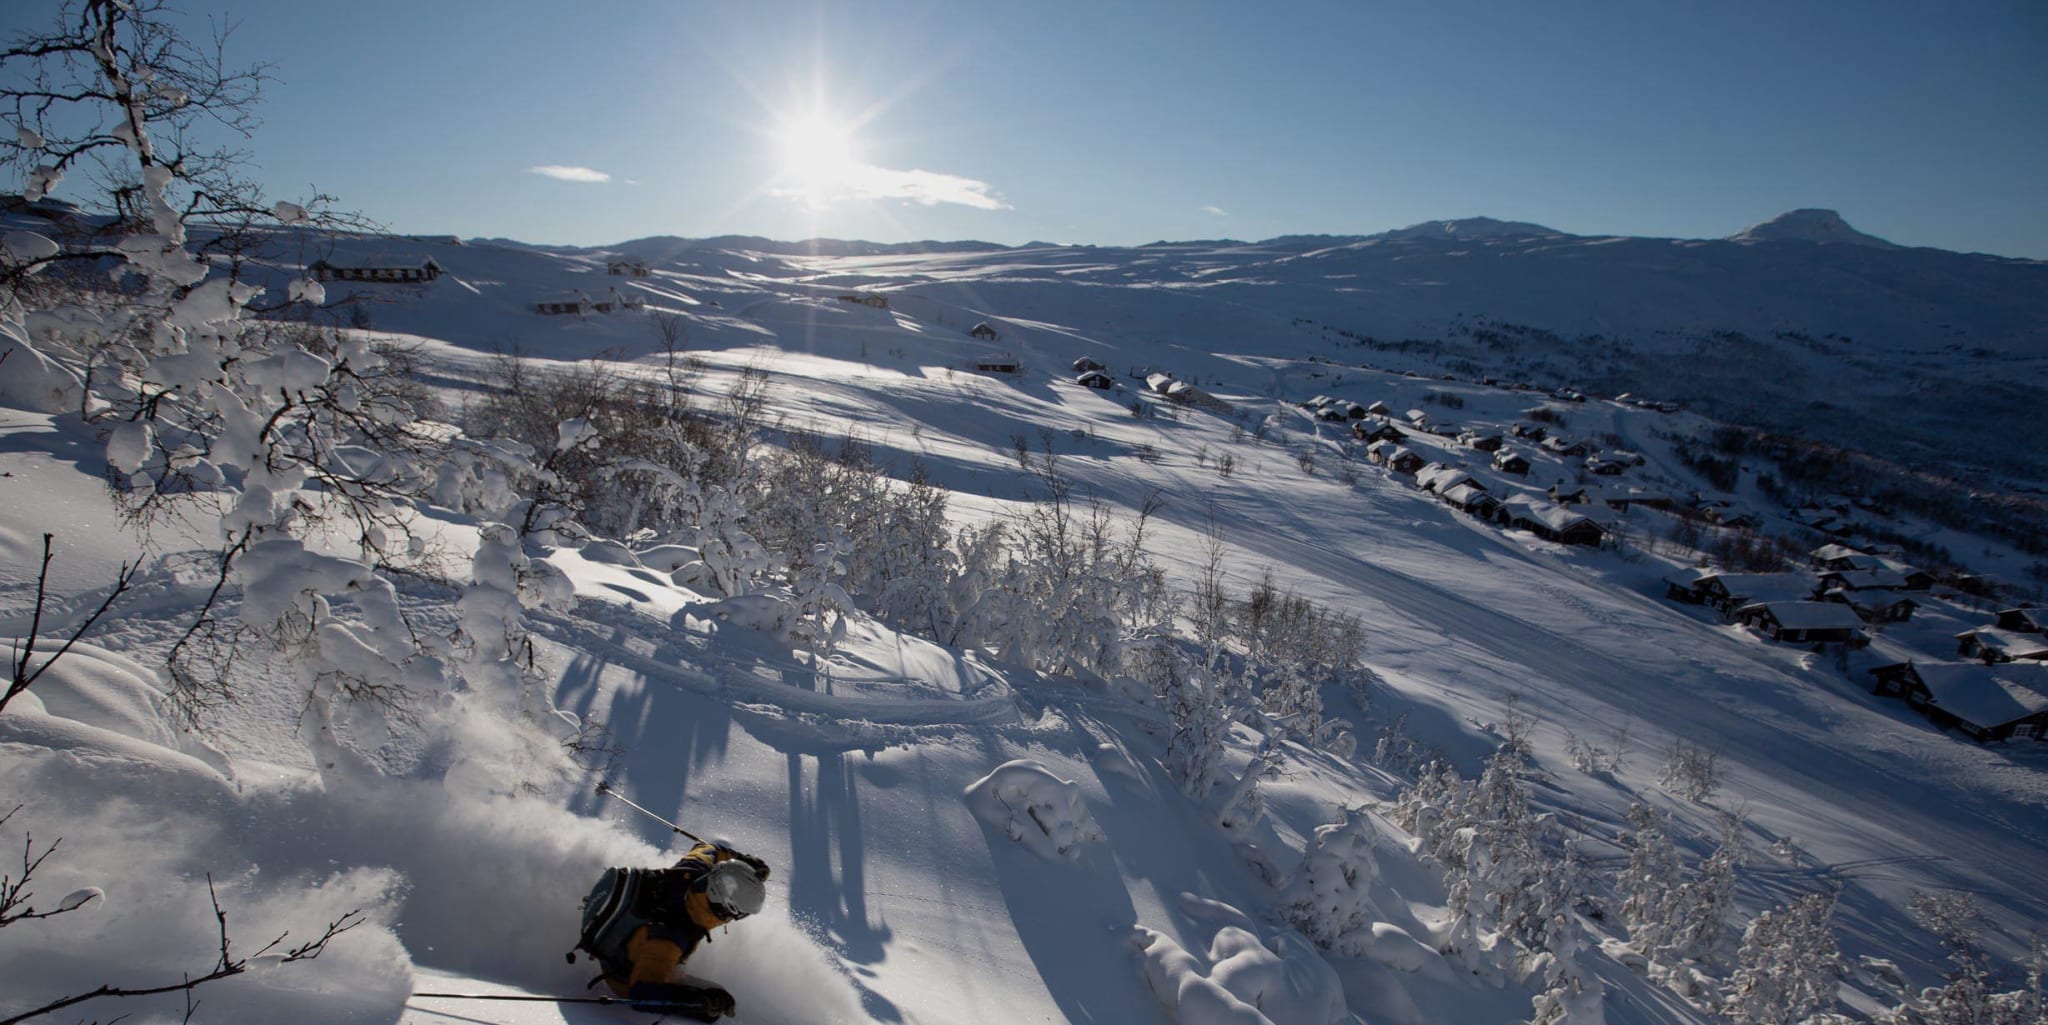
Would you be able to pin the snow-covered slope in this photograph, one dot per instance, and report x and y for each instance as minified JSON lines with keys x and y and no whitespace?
{"x":959,"y":839}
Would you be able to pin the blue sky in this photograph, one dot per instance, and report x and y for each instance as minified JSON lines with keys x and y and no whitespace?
{"x":1125,"y":122}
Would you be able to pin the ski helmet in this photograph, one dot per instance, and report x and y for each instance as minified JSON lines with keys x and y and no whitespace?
{"x":734,"y":890}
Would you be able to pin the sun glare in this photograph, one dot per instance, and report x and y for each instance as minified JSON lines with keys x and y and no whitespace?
{"x":817,"y":155}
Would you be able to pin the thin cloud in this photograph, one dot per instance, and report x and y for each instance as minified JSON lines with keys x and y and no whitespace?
{"x":927,"y":188}
{"x":561,"y":172}
{"x":1217,"y":210}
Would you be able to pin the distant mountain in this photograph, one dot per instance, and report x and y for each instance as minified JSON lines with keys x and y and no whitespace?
{"x":1471,"y":228}
{"x":1809,"y":225}
{"x":665,"y":244}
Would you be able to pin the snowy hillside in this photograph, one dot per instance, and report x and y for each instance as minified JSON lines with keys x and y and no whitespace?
{"x":999,"y":819}
{"x":1912,"y":353}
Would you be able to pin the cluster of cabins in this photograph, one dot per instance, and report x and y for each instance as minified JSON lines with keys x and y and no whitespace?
{"x":1458,"y":488}
{"x":1846,"y":590}
{"x":2001,"y":695}
{"x":1163,"y":384}
{"x":415,"y":270}
{"x":1089,"y":372}
{"x":2002,"y":692}
{"x":1547,"y":518}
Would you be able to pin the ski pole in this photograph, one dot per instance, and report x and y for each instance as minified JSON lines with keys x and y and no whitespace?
{"x":606,"y":789}
{"x":550,"y":1000}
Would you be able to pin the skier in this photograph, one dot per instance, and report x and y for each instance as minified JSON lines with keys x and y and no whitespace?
{"x":641,"y":925}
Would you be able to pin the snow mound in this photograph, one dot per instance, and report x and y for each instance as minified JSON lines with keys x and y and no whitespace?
{"x":1809,"y":225}
{"x":1282,"y":981}
{"x":31,"y":380}
{"x":1030,"y":805}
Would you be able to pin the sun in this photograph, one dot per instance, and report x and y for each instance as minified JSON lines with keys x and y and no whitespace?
{"x":816,"y":156}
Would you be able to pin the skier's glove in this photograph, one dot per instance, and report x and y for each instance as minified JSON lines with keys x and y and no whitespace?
{"x":760,"y":867}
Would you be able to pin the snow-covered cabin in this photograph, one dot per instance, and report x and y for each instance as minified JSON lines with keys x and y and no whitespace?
{"x":1383,"y":430}
{"x":1878,"y":606}
{"x":1803,"y":622}
{"x":1562,"y":446}
{"x":1469,"y":496}
{"x":1995,"y":644}
{"x":401,"y":270}
{"x":1511,"y":462}
{"x":1377,"y":408}
{"x":1916,"y":579}
{"x":1086,"y":363}
{"x":1730,"y":591}
{"x":983,"y":331}
{"x":627,"y":268}
{"x":1159,"y":382}
{"x":1862,"y":580}
{"x":1484,"y":441}
{"x":1005,"y":363}
{"x":1842,"y":557}
{"x":1985,"y":703}
{"x":562,"y":305}
{"x":1550,"y":521}
{"x":1440,"y":477}
{"x":1688,"y":585}
{"x":1394,"y":456}
{"x":2025,"y":620}
{"x":880,"y":302}
{"x":1095,"y":379}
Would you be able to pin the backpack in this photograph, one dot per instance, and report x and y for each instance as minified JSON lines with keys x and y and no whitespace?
{"x":623,"y":900}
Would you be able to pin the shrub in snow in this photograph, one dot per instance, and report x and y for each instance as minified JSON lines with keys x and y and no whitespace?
{"x":1032,"y":806}
{"x":1690,"y":771}
{"x":1200,"y":706}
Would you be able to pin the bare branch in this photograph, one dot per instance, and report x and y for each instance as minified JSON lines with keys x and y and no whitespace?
{"x":25,"y":677}
{"x":227,"y":965}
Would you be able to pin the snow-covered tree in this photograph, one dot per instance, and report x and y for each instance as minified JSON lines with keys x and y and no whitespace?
{"x":1970,"y":992}
{"x":1788,"y":967}
{"x":1329,"y":898}
{"x":1651,"y":882}
{"x":1242,"y":803}
{"x":287,"y":440}
{"x":1707,"y":896}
